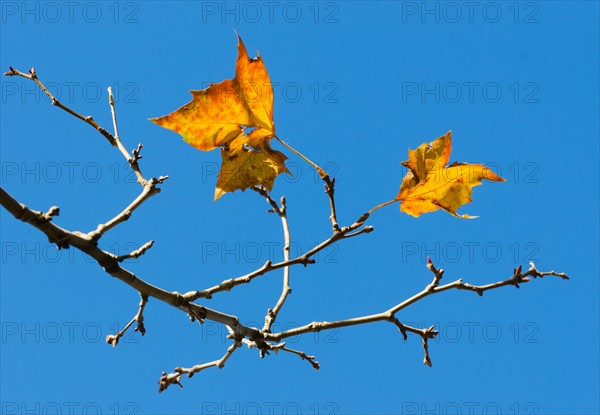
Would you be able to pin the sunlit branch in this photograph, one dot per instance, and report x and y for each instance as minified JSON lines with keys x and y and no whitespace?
{"x":65,"y":239}
{"x":262,"y":339}
{"x":304,"y":259}
{"x":148,"y":186}
{"x":433,"y":288}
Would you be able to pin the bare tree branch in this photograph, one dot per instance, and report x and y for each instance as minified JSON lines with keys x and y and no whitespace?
{"x":253,"y":336}
{"x":262,"y":339}
{"x":389,"y":315}
{"x":304,"y":259}
{"x":149,"y":188}
{"x":65,"y":239}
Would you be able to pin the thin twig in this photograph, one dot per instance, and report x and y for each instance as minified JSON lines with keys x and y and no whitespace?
{"x":174,"y":378}
{"x":136,"y":153}
{"x":433,"y":288}
{"x":150,"y":189}
{"x":437,"y":275}
{"x":426,"y":334}
{"x":261,"y":190}
{"x":112,"y":139}
{"x":286,"y":290}
{"x":136,"y":253}
{"x":330,"y":191}
{"x":89,"y":120}
{"x":302,"y":355}
{"x":148,"y":186}
{"x":304,"y":259}
{"x":517,"y":279}
{"x":113,"y":339}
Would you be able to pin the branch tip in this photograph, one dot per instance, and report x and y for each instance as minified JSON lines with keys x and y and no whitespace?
{"x":168,"y":380}
{"x":363,"y":218}
{"x":113,"y":339}
{"x":53,"y":211}
{"x":137,"y":253}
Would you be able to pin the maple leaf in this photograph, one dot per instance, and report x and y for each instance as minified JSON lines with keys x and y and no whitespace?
{"x":429,"y":185}
{"x":246,"y":168}
{"x":235,"y":114}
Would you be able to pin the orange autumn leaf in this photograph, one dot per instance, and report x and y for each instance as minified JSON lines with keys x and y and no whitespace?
{"x":217,"y":115}
{"x":235,"y":114}
{"x":430,"y":185}
{"x":246,"y":168}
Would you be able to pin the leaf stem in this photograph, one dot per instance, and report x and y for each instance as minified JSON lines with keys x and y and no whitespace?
{"x":319,"y":170}
{"x":389,"y":202}
{"x":329,"y":184}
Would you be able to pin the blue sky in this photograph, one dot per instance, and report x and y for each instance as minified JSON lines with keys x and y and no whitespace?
{"x":356,"y":85}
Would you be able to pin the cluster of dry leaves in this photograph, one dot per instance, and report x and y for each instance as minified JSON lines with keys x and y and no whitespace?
{"x":237,"y":116}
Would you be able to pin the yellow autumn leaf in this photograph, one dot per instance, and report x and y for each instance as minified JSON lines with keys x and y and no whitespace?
{"x":246,"y":168}
{"x":430,"y":185}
